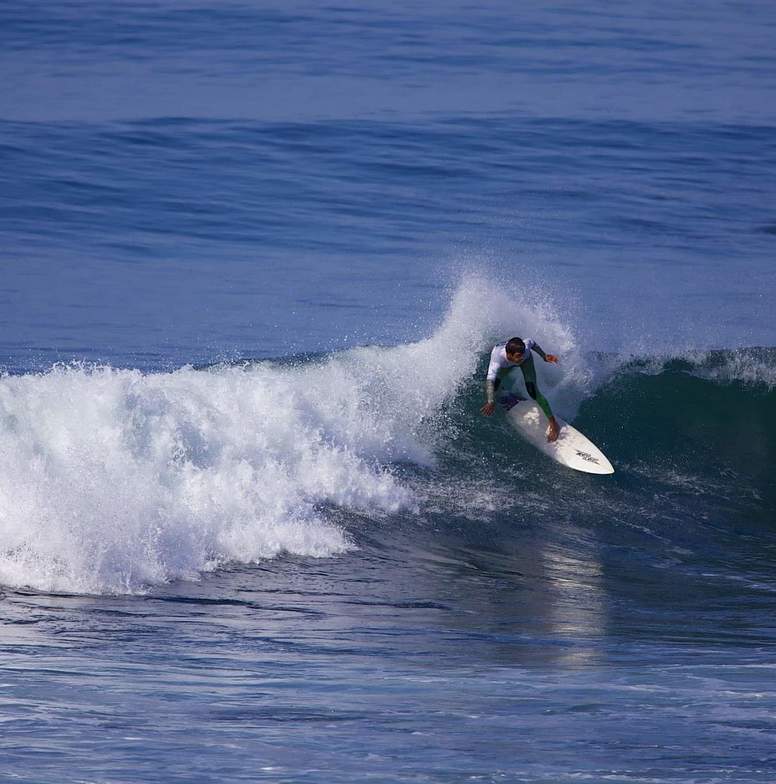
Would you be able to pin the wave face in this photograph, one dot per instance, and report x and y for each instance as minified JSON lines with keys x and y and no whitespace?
{"x":112,"y":481}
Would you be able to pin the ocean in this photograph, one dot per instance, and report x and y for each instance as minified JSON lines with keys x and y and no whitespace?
{"x":253,"y":259}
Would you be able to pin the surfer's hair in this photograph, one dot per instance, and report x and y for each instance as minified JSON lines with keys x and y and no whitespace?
{"x":515,"y":346}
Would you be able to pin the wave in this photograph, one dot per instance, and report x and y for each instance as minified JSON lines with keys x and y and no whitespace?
{"x":113,"y":480}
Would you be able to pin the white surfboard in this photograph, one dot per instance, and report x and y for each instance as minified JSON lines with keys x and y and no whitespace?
{"x":571,"y":449}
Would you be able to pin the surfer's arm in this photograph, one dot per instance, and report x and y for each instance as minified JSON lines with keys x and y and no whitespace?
{"x":491,"y":383}
{"x":540,"y":351}
{"x":490,"y":395}
{"x":490,"y":390}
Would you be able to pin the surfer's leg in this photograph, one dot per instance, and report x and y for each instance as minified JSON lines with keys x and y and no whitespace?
{"x":529,"y":374}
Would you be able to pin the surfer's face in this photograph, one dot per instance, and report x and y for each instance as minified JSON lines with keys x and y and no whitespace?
{"x":514,"y":357}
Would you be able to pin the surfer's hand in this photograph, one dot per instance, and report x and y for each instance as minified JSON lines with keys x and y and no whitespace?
{"x":551,"y":358}
{"x":488,"y":409}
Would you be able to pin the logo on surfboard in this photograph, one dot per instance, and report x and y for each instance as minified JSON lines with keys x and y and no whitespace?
{"x":587,"y":456}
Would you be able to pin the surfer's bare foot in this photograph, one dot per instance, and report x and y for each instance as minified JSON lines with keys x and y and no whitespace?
{"x":553,"y":430}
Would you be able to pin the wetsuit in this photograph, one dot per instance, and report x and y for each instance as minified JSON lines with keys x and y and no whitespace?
{"x":500,"y":367}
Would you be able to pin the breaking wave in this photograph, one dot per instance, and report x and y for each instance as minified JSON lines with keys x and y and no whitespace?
{"x":113,"y":480}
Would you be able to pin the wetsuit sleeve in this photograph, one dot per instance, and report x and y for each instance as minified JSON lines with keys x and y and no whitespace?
{"x":490,"y":380}
{"x":490,"y":391}
{"x":538,"y":349}
{"x":493,"y":367}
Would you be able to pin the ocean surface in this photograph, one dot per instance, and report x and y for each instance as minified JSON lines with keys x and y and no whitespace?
{"x":253,"y":258}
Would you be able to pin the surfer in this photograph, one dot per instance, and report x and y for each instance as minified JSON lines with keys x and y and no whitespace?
{"x":504,"y":358}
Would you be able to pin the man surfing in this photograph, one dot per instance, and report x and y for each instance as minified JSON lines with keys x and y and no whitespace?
{"x":504,"y":358}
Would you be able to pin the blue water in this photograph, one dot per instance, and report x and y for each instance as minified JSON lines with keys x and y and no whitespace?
{"x":252,"y":525}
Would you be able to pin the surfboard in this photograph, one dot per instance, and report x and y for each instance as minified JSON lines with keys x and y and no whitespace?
{"x":572,"y":449}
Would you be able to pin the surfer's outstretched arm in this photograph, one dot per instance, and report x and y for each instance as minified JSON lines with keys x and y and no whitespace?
{"x":546,"y":357}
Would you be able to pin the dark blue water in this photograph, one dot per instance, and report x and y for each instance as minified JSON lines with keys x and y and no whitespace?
{"x":252,"y":525}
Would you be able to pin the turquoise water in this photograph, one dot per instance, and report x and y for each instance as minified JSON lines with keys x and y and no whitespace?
{"x":252,"y":525}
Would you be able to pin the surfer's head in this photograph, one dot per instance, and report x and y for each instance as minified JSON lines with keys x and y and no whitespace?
{"x":515,"y":347}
